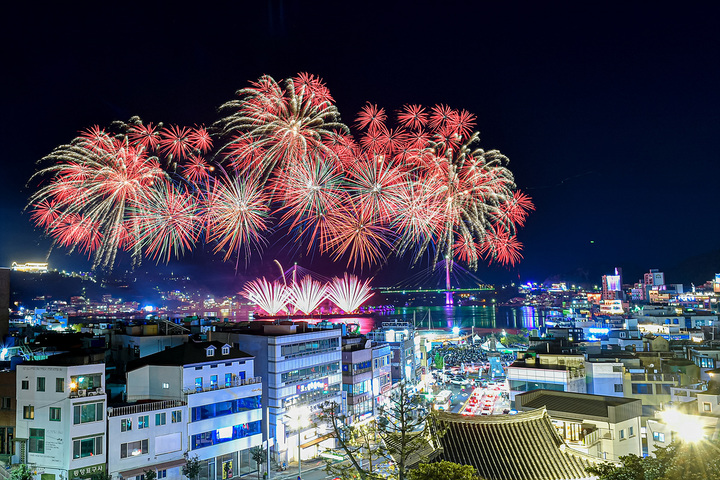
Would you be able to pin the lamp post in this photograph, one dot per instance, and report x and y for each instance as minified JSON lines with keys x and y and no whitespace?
{"x":299,"y":418}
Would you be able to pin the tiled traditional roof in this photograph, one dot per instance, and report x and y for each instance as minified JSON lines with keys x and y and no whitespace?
{"x":525,"y":446}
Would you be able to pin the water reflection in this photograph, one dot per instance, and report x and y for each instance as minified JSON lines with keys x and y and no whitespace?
{"x":481,"y":317}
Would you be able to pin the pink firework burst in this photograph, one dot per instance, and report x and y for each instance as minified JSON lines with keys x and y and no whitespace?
{"x":282,"y":123}
{"x":348,"y":292}
{"x":357,"y":233}
{"x":313,"y":87}
{"x":168,"y":222}
{"x":272,"y":298}
{"x":371,"y":117}
{"x":196,"y":170}
{"x":413,"y":116}
{"x":176,"y":141}
{"x":307,"y":295}
{"x":146,"y":135}
{"x":200,"y":140}
{"x":96,"y":182}
{"x":236,"y":214}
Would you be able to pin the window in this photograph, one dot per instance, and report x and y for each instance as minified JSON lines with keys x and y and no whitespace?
{"x":226,"y":350}
{"x":6,"y":405}
{"x":619,"y":387}
{"x":126,"y":424}
{"x":166,"y":385}
{"x":210,"y":352}
{"x":55,"y":414}
{"x":198,"y":384}
{"x":631,"y":431}
{"x":143,"y":421}
{"x":177,"y":416}
{"x":642,"y":388}
{"x":622,"y":433}
{"x":87,"y":412}
{"x":25,"y":385}
{"x":617,"y":369}
{"x":29,"y":412}
{"x":160,"y":419}
{"x":707,"y":407}
{"x":87,"y":382}
{"x":40,"y":384}
{"x":87,"y":447}
{"x":132,"y":449}
{"x":213,"y":382}
{"x":37,"y":440}
{"x":228,"y":380}
{"x":162,"y":474}
{"x":60,"y":385}
{"x":659,"y":437}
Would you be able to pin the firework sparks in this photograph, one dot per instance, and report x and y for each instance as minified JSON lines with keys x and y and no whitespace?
{"x":307,"y":295}
{"x":272,"y":298}
{"x":348,"y":292}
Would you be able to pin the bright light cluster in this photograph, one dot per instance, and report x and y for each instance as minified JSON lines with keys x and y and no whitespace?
{"x":347,"y":293}
{"x":688,"y":428}
{"x":281,"y":159}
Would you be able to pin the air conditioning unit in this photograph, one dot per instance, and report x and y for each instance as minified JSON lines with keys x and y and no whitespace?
{"x":99,"y":391}
{"x":82,"y":392}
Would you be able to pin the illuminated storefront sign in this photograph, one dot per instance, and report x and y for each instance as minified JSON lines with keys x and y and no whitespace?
{"x":314,"y":385}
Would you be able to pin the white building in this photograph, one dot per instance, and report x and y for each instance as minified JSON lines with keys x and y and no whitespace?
{"x":224,"y":405}
{"x":301,"y":365}
{"x":546,"y":371}
{"x":597,"y":425}
{"x":604,"y":378}
{"x":147,"y":436}
{"x":60,"y":418}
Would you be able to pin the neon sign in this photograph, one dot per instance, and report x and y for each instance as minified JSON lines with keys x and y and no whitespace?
{"x":314,"y":385}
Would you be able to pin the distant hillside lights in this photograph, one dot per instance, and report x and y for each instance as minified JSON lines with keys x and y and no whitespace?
{"x":30,"y":267}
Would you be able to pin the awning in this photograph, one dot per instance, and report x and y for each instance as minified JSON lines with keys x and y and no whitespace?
{"x":159,"y":466}
{"x":319,"y":439}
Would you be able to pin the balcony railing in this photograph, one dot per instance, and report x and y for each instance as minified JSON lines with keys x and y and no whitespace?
{"x":145,"y":407}
{"x":237,"y":382}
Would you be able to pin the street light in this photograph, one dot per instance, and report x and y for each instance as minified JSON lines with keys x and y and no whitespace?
{"x":299,"y":418}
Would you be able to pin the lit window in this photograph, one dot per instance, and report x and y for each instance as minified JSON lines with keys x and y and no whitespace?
{"x":126,"y":424}
{"x":29,"y":412}
{"x":143,"y":421}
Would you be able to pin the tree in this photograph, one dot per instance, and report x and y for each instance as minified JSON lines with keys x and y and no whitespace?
{"x":191,"y":469}
{"x":443,"y":471}
{"x":258,"y":455}
{"x":689,"y":461}
{"x":21,"y":472}
{"x":404,"y":425}
{"x":360,"y":443}
{"x":150,"y":474}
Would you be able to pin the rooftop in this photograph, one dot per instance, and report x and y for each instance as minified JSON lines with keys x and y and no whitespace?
{"x":584,"y":405}
{"x":511,"y":447}
{"x":190,"y":353}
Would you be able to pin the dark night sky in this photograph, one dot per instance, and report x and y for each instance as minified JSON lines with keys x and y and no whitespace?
{"x":609,"y":113}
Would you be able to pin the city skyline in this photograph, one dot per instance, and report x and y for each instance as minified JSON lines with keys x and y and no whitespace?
{"x":598,"y":112}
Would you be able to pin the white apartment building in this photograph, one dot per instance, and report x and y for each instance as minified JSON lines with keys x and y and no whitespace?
{"x":301,"y":366}
{"x":605,"y":427}
{"x":604,"y":377}
{"x":147,"y":436}
{"x":224,"y":406}
{"x":60,"y":418}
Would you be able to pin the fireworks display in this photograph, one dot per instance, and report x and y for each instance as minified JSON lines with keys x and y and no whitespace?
{"x":414,"y":182}
{"x":305,"y":296}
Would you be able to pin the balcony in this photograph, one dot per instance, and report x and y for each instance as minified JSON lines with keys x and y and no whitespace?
{"x":84,"y":392}
{"x":145,"y":407}
{"x":236,"y":382}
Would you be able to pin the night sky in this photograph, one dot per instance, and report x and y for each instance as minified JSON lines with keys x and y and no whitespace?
{"x":610,"y":115}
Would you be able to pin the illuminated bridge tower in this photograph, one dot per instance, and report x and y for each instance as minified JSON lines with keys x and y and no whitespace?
{"x":448,"y":293}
